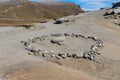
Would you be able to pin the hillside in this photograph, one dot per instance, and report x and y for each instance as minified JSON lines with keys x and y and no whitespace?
{"x":23,"y":10}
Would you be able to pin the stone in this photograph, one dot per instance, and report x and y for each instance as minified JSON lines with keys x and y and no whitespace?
{"x":109,"y":12}
{"x":91,"y":57}
{"x":85,"y":37}
{"x":79,"y":56}
{"x":95,"y":38}
{"x":43,"y":54}
{"x":66,"y":34}
{"x":113,"y":13}
{"x":74,"y":55}
{"x":60,"y":43}
{"x":26,"y":44}
{"x":99,"y":45}
{"x":88,"y":55}
{"x":29,"y":40}
{"x":98,"y":53}
{"x":43,"y":37}
{"x":58,"y":57}
{"x":32,"y":50}
{"x":82,"y":36}
{"x":22,"y":41}
{"x":117,"y":23}
{"x":85,"y":55}
{"x":36,"y":54}
{"x":52,"y":55}
{"x":46,"y":52}
{"x":64,"y":56}
{"x":69,"y":54}
{"x":29,"y":53}
{"x":93,"y":48}
{"x":58,"y":40}
{"x":57,"y":35}
{"x":116,"y":11}
{"x":92,"y":52}
{"x":118,"y":17}
{"x":73,"y":35}
{"x":34,"y":40}
{"x":27,"y":26}
{"x":58,"y":22}
{"x":77,"y":36}
{"x":66,"y":20}
{"x":51,"y":52}
{"x":60,"y":54}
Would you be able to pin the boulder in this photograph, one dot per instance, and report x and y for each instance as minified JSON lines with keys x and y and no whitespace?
{"x":116,"y":10}
{"x":117,"y":4}
{"x":58,"y":22}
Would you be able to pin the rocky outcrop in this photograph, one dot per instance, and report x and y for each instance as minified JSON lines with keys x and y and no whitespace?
{"x":114,"y":12}
{"x":117,"y":4}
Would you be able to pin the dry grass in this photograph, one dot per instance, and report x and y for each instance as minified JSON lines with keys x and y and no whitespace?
{"x":11,"y":23}
{"x":36,"y":12}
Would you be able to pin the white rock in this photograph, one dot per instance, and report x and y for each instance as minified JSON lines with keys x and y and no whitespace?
{"x":94,"y":48}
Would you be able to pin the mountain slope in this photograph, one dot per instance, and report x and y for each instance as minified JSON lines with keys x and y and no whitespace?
{"x":24,"y":10}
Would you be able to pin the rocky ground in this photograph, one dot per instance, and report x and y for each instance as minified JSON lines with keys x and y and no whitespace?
{"x":65,"y":51}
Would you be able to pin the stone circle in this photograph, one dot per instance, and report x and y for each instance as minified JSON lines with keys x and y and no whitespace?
{"x":61,"y":41}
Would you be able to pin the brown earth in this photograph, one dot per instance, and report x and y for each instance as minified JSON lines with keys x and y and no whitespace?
{"x":42,"y":71}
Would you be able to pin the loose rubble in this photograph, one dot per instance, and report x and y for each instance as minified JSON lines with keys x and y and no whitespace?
{"x":59,"y":40}
{"x":62,"y":20}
